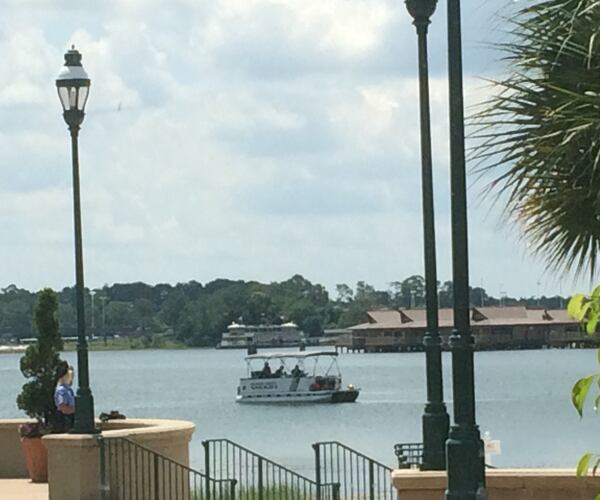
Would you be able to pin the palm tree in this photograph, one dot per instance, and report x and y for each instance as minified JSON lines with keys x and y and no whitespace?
{"x":538,"y":136}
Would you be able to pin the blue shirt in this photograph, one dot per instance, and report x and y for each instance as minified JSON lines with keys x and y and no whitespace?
{"x":64,"y":395}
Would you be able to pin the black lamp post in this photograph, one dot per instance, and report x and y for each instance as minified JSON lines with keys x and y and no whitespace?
{"x":435,"y":417}
{"x":73,"y":87}
{"x":466,"y":466}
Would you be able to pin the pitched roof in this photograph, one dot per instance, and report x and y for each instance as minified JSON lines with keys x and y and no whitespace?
{"x":510,"y":312}
{"x":391,"y":316}
{"x":480,"y":316}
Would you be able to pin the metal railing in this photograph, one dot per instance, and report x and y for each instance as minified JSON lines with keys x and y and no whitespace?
{"x":409,"y":455}
{"x":259,"y":478}
{"x":130,"y":471}
{"x":360,"y":477}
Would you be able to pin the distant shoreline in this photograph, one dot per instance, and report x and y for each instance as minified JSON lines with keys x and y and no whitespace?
{"x":138,"y":345}
{"x":121,"y":344}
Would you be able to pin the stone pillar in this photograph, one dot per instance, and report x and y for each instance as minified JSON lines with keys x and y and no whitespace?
{"x":73,"y":467}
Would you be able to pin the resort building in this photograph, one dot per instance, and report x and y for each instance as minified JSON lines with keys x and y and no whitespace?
{"x":493,"y":328}
{"x":241,"y":336}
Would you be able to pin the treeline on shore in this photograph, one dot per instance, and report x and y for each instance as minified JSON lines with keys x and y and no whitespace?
{"x":197,"y":314}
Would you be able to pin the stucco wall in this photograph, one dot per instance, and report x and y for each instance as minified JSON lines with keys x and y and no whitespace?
{"x":74,"y":460}
{"x":503,"y":484}
{"x":12,"y":461}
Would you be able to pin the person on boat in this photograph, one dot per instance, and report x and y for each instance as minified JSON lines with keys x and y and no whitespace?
{"x":64,"y":398}
{"x":279,"y":372}
{"x":266,"y":371}
{"x":297,"y":372}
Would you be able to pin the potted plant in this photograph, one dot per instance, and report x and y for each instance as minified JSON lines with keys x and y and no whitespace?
{"x":40,"y":363}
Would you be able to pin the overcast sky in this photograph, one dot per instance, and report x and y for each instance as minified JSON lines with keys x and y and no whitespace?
{"x":244,"y":139}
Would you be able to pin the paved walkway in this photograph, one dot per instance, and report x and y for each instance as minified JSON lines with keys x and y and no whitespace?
{"x":22,"y":489}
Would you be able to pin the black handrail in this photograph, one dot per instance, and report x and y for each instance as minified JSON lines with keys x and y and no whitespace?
{"x":260,"y":478}
{"x":360,"y":477}
{"x":131,"y":471}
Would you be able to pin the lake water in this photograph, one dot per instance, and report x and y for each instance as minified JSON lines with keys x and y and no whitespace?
{"x":523,"y":399}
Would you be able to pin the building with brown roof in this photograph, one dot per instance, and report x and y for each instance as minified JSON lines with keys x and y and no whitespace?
{"x":493,"y":328}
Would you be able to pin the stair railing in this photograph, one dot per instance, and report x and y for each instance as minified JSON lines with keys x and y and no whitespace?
{"x":259,"y":478}
{"x":360,"y":477}
{"x":130,"y":471}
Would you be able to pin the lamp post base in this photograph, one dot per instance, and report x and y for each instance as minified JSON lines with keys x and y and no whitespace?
{"x":435,"y":433}
{"x":84,"y":413}
{"x":466,"y":464}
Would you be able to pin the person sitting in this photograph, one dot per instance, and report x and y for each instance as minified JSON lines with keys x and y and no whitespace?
{"x":279,"y":372}
{"x":266,"y":371}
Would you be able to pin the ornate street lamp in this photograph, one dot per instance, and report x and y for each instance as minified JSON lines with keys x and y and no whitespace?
{"x":435,"y":417}
{"x":73,"y":87}
{"x":466,"y":466}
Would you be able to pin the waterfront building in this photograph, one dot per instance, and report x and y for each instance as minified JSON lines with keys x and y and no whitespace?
{"x":494,"y":328}
{"x":240,"y":336}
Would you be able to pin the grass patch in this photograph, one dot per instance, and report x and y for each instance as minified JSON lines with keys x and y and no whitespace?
{"x":128,"y":343}
{"x":280,"y":492}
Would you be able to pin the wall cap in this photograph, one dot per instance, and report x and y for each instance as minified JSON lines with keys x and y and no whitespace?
{"x":15,"y":422}
{"x":138,"y":429}
{"x":408,"y":479}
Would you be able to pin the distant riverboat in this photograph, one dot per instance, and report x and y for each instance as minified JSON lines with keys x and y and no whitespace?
{"x":12,"y":348}
{"x":240,"y":336}
{"x":320,"y":382}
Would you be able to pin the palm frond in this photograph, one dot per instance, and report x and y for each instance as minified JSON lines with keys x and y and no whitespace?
{"x":538,"y":136}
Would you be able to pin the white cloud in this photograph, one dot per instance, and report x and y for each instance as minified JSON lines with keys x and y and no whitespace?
{"x":248,"y":139}
{"x":24,"y":73}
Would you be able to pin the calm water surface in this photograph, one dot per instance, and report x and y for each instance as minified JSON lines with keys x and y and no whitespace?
{"x":522,"y":399}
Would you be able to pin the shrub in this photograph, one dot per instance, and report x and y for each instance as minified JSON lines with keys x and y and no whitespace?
{"x":40,"y":363}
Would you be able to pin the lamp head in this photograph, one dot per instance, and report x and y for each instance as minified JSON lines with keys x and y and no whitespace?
{"x":421,"y":10}
{"x":73,"y":86}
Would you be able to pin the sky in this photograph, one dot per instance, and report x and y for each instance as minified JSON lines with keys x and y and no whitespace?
{"x":241,"y":139}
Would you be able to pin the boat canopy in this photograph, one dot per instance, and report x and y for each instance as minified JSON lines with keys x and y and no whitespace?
{"x":296,"y":355}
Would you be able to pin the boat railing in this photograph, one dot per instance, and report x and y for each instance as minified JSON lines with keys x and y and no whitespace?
{"x":360,"y":477}
{"x":129,"y":470}
{"x":259,"y":478}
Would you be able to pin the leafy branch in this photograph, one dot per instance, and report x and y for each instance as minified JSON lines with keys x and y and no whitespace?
{"x":586,"y":309}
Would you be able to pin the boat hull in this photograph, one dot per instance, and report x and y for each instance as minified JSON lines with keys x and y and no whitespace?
{"x":348,"y":396}
{"x":301,"y":398}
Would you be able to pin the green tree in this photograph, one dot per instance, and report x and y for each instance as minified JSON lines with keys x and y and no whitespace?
{"x":195,"y":326}
{"x":172,"y":307}
{"x":144,"y":309}
{"x":344,"y":292}
{"x":259,"y":309}
{"x":306,"y":316}
{"x":446,"y":294}
{"x":537,"y":137}
{"x":41,"y":360}
{"x":312,"y":326}
{"x":478,"y":296}
{"x":67,"y":319}
{"x":16,"y":318}
{"x":412,"y":291}
{"x":120,"y":316}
